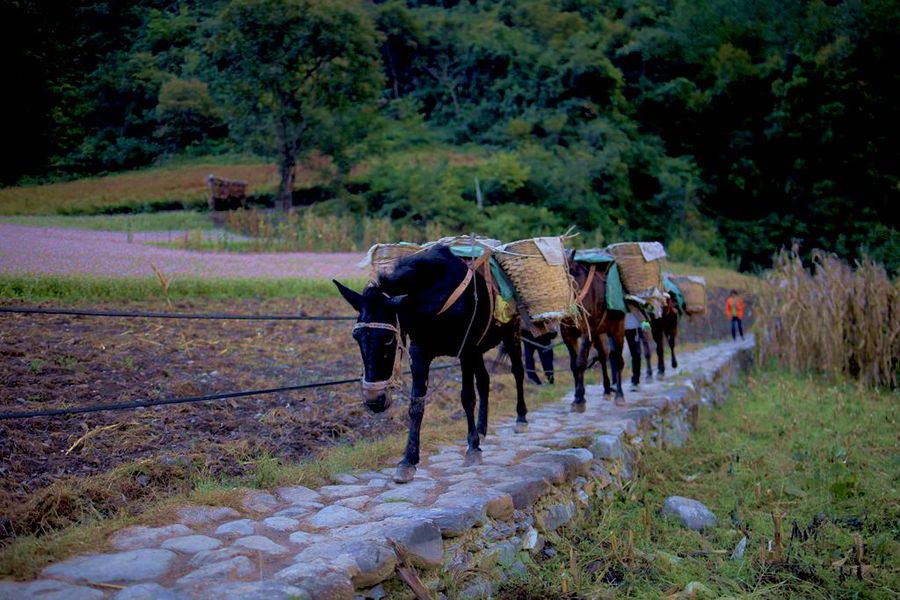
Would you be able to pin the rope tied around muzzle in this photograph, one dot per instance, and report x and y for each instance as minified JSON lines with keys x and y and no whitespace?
{"x":395,"y":381}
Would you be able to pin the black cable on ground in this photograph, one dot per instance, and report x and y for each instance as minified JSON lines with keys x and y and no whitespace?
{"x":166,"y":315}
{"x":54,"y":412}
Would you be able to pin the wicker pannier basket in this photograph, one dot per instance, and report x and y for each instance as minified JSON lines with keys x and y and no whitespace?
{"x":544,"y":290}
{"x":385,"y":256}
{"x":694,"y":291}
{"x":639,"y":276}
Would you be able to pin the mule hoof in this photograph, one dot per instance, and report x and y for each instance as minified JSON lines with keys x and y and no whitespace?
{"x":607,"y":392}
{"x":579,"y":407}
{"x":404,"y":473}
{"x":619,"y":400}
{"x":473,"y":458}
{"x":521,"y":427}
{"x":660,"y":375}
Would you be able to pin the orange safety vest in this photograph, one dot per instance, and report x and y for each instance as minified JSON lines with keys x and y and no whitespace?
{"x":734,"y":307}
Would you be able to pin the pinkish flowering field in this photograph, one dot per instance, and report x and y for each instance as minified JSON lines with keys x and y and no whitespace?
{"x":41,"y":250}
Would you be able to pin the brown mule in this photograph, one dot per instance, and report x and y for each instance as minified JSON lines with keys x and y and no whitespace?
{"x":580,"y":334}
{"x":665,"y":326}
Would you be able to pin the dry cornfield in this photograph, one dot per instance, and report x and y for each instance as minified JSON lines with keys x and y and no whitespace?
{"x":831,"y":317}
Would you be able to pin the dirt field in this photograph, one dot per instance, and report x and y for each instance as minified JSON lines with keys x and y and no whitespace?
{"x":56,"y":361}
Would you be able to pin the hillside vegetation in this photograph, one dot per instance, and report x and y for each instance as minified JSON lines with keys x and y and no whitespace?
{"x":728,"y":127}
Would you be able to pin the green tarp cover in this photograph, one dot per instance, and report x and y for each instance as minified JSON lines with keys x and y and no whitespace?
{"x":675,"y":293}
{"x":507,"y":291}
{"x":615,"y":294}
{"x":593,"y":257}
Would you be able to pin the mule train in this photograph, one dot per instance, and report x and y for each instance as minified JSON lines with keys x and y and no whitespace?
{"x":461,"y":297}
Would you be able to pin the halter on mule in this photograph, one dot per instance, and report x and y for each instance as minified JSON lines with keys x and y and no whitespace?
{"x":395,"y":381}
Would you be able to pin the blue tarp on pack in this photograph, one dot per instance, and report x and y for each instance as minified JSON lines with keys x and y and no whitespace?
{"x":675,"y":293}
{"x":594,"y":257}
{"x":615,"y":293}
{"x":507,"y":291}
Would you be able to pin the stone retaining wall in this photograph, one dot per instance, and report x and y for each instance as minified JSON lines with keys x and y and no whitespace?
{"x":463,"y":529}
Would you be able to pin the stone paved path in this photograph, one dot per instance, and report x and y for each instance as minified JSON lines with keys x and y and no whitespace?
{"x":332,"y":543}
{"x":25,"y":249}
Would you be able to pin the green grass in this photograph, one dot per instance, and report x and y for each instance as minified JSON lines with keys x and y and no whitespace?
{"x":177,"y":220}
{"x":75,"y":289}
{"x":722,"y":277}
{"x":822,"y":456}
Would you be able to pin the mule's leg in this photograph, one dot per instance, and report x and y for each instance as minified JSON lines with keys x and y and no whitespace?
{"x":467,"y":395}
{"x":571,"y":339}
{"x":613,"y":372}
{"x":406,"y":470}
{"x":514,"y":349}
{"x":617,"y":364}
{"x":673,"y":333}
{"x":657,"y":329}
{"x":602,"y":356}
{"x":634,"y":348}
{"x":483,"y":385}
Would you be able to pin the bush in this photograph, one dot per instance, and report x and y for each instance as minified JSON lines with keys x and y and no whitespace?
{"x":509,"y":222}
{"x":186,"y":114}
{"x":685,"y":251}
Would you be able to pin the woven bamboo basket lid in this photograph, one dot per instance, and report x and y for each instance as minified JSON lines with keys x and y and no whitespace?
{"x":544,"y":290}
{"x":694,"y":292}
{"x":639,"y":275}
{"x":385,"y":256}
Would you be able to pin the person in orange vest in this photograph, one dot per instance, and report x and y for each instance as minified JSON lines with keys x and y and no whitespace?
{"x":734,"y":308}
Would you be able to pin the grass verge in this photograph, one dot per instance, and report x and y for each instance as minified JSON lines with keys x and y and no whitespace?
{"x":717,"y":276}
{"x":172,"y":220}
{"x":73,"y":289}
{"x":820,"y":458}
{"x":177,"y":184}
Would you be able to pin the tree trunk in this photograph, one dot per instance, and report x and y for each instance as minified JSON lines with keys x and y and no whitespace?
{"x":286,"y":185}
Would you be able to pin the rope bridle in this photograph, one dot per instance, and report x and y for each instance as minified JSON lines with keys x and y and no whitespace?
{"x":395,"y":381}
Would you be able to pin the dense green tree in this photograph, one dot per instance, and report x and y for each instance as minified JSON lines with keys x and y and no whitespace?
{"x":291,"y":72}
{"x":186,"y":113}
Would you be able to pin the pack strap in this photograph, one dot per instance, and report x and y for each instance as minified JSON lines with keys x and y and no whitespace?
{"x":587,"y":283}
{"x":470,"y":273}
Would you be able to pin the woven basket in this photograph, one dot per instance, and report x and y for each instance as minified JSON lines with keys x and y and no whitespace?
{"x":544,"y":291}
{"x":694,"y":294}
{"x":639,"y":276}
{"x":385,"y":256}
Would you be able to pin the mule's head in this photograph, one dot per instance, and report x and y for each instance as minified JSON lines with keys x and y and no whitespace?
{"x":376,"y":331}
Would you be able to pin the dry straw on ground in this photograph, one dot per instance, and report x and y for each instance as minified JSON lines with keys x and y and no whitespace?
{"x":831,"y":318}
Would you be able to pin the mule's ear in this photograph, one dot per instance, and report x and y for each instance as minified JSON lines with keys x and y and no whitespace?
{"x":397,"y":301}
{"x":572,"y":255}
{"x":354,"y":298}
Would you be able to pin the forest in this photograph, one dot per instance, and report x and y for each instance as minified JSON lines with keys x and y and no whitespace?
{"x":725,"y":128}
